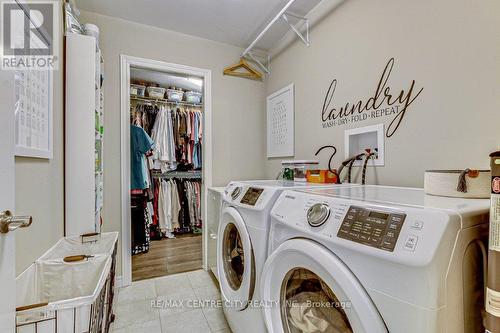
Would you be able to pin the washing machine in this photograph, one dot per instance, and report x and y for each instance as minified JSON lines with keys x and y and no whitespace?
{"x":242,"y":246}
{"x":373,"y":259}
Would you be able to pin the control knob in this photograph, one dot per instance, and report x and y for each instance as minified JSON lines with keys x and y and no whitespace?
{"x":236,"y":192}
{"x":318,"y":214}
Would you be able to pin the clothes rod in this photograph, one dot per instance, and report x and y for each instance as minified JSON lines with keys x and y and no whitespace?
{"x":259,"y":37}
{"x":179,"y":174}
{"x":164,"y":101}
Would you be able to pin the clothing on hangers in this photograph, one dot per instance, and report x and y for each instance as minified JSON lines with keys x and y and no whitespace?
{"x":178,"y":205}
{"x":141,"y":221}
{"x":144,"y":115}
{"x":163,"y":135}
{"x":177,"y":133}
{"x":140,"y":144}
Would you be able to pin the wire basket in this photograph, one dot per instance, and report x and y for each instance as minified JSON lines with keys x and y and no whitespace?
{"x":55,"y":296}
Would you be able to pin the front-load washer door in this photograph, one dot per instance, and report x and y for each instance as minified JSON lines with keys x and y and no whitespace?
{"x":307,"y":288}
{"x":235,"y":261}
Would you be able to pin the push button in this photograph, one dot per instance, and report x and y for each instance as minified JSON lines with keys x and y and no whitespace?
{"x":364,"y":238}
{"x":393,"y":226}
{"x":390,"y":234}
{"x":343,"y":232}
{"x":353,"y":235}
{"x":417,"y":225}
{"x":411,"y":242}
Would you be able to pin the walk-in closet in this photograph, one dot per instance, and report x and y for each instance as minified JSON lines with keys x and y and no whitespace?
{"x":166,"y":138}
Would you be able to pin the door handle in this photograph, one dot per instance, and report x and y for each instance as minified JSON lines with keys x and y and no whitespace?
{"x":213,"y":236}
{"x":9,"y":222}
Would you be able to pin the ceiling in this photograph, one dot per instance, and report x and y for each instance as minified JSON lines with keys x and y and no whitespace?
{"x":235,"y":22}
{"x":166,"y":80}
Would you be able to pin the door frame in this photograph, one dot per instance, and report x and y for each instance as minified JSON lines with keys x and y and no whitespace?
{"x":126,"y":62}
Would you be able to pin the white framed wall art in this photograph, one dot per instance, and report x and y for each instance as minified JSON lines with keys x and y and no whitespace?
{"x":33,"y":109}
{"x":280,"y":123}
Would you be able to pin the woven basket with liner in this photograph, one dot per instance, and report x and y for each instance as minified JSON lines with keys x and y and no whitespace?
{"x":466,"y":183}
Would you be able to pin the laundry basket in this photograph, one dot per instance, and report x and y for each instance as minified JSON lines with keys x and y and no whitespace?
{"x":103,"y":244}
{"x":54,"y":296}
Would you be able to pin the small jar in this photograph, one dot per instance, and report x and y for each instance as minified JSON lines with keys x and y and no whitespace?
{"x":296,"y":170}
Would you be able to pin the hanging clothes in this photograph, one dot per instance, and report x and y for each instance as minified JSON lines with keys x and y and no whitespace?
{"x":167,"y":204}
{"x":179,"y":206}
{"x":163,"y":135}
{"x":177,"y":134}
{"x":141,"y":221}
{"x":154,"y":230}
{"x":144,"y":115}
{"x":140,"y":144}
{"x":176,"y":205}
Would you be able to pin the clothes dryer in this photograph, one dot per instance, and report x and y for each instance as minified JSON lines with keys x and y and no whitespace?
{"x":373,"y":259}
{"x":242,"y":247}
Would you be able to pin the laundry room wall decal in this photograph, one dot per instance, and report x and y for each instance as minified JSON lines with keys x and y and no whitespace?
{"x":384,"y":102}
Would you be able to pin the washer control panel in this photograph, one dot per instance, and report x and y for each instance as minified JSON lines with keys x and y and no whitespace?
{"x":373,"y":228}
{"x":251,"y":196}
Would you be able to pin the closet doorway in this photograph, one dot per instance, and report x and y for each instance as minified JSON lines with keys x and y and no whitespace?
{"x":166,"y":167}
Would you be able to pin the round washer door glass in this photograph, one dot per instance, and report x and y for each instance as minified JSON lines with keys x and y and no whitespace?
{"x":309,"y":305}
{"x":233,"y":256}
{"x":235,"y":263}
{"x":316,"y":292}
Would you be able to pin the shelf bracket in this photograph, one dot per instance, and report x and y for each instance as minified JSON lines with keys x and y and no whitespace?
{"x":264,"y":67}
{"x":284,"y":15}
{"x":305,"y":38}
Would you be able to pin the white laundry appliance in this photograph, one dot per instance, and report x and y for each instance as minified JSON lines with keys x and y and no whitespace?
{"x":242,"y":245}
{"x":373,"y":259}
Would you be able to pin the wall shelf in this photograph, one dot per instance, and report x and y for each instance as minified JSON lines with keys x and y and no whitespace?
{"x":84,"y":112}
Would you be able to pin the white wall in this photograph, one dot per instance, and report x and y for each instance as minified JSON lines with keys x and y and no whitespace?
{"x":237,"y":105}
{"x":40,"y":189}
{"x":450,"y":48}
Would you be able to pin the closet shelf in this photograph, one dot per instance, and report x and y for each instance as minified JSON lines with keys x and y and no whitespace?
{"x":197,"y":174}
{"x":164,"y":101}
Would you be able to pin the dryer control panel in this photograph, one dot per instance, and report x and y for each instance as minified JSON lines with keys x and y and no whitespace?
{"x":377,"y":229}
{"x":251,"y":196}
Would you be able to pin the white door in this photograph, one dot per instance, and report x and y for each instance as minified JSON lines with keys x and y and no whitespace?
{"x":7,"y":241}
{"x":316,"y":292}
{"x":235,"y":260}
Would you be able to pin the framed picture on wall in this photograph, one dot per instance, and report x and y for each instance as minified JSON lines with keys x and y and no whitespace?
{"x":280,"y":123}
{"x":34,"y":93}
{"x":33,"y":108}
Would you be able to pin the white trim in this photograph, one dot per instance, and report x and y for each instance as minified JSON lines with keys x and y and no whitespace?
{"x":125,"y":63}
{"x":118,"y":282}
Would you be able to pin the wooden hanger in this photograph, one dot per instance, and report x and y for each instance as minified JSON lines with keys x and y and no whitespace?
{"x":251,"y":72}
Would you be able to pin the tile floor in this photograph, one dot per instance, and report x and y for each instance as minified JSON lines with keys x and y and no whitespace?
{"x":153,"y":306}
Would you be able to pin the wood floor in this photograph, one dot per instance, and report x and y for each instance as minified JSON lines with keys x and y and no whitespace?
{"x":168,"y":256}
